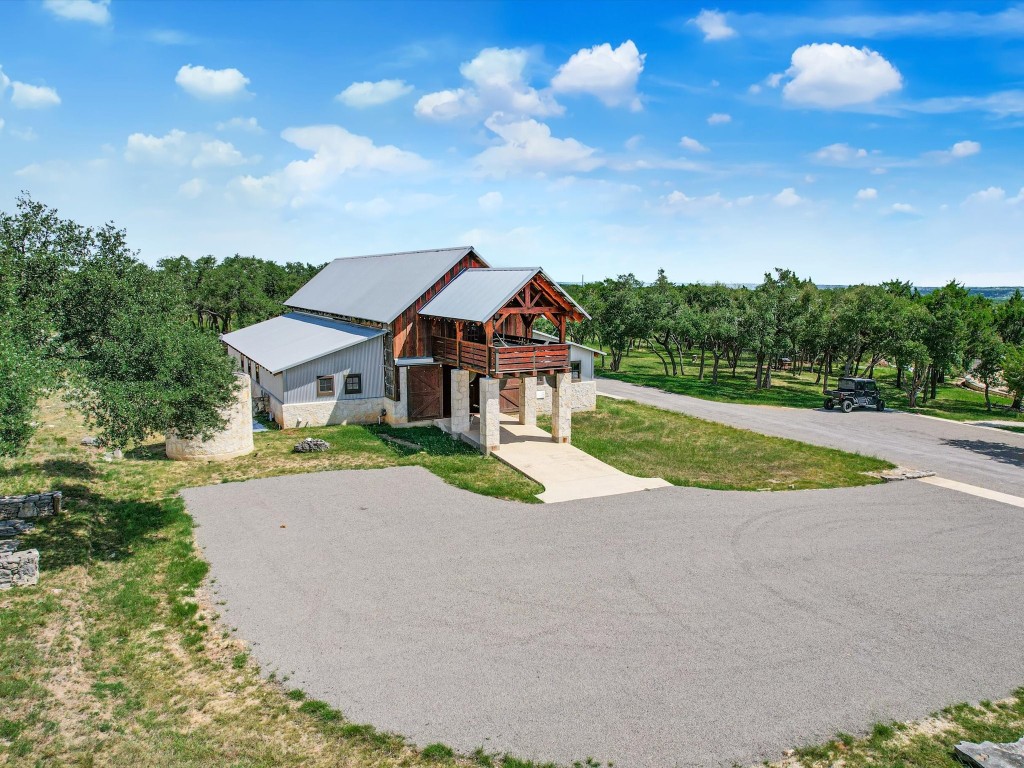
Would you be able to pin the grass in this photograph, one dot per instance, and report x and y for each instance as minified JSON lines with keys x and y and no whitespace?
{"x":650,"y":442}
{"x":117,"y":657}
{"x":924,"y":744}
{"x":799,"y":391}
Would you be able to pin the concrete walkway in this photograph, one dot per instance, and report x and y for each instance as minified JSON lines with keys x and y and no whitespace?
{"x":567,"y":473}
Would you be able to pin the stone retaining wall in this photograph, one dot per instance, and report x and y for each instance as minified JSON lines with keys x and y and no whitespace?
{"x":26,"y":507}
{"x":19,"y":569}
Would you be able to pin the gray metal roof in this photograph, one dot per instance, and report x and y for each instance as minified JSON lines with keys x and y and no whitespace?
{"x":541,"y":336}
{"x":476,"y":295}
{"x":289,"y":340}
{"x":377,"y":288}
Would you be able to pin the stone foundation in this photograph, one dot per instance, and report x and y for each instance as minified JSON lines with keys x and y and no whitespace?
{"x":27,"y":507}
{"x":325,"y":412}
{"x":19,"y":569}
{"x":234,"y":440}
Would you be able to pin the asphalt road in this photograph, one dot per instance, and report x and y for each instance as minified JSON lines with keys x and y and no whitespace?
{"x":989,"y":458}
{"x":673,"y":627}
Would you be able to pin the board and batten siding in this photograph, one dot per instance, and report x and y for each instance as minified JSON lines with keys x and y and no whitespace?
{"x":366,"y":358}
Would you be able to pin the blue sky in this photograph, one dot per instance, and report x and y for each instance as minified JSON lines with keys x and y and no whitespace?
{"x":849,"y":141}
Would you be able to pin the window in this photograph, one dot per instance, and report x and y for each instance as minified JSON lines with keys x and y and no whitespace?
{"x":576,"y":366}
{"x":354,"y":384}
{"x":257,"y":373}
{"x":324,"y":386}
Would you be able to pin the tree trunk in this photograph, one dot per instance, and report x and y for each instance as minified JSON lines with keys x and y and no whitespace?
{"x":700,"y":374}
{"x":664,"y":361}
{"x":826,"y":362}
{"x":714,"y":369}
{"x":988,"y":403}
{"x":899,"y":374}
{"x":757,"y":371}
{"x":935,"y":381}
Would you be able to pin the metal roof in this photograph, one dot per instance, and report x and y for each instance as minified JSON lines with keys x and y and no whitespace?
{"x":476,"y":295}
{"x":377,"y":288}
{"x":289,"y":340}
{"x":549,"y":337}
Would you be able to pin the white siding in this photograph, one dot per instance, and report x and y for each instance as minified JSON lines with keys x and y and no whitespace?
{"x":586,"y":358}
{"x":366,"y":358}
{"x":268,"y":383}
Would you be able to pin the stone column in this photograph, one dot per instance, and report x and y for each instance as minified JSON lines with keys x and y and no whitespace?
{"x":460,"y":401}
{"x":561,"y":408}
{"x":528,"y":400}
{"x":490,"y":414}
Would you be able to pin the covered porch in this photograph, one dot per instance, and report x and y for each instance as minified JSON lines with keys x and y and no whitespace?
{"x":481,"y":328}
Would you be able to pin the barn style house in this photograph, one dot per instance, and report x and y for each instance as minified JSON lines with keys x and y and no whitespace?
{"x":420,"y":337}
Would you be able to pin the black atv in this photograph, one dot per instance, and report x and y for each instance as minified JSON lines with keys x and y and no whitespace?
{"x":854,"y":393}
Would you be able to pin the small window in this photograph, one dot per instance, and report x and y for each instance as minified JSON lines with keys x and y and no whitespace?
{"x":324,"y":386}
{"x":354,"y":384}
{"x":257,"y":373}
{"x":576,"y":366}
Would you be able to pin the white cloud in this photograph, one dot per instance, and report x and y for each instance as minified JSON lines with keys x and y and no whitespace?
{"x":788,"y":197}
{"x":177,"y":147}
{"x":496,"y":84}
{"x":25,"y":96}
{"x":490,"y":201}
{"x":192,"y":188}
{"x":868,"y":193}
{"x":906,"y":208}
{"x":5,"y":81}
{"x":677,"y":201}
{"x":719,"y":118}
{"x":171,"y":37}
{"x":692,"y":144}
{"x":25,"y":134}
{"x":97,"y":12}
{"x":529,"y":146}
{"x":206,"y":83}
{"x":633,"y":142}
{"x":376,"y":208}
{"x":990,"y":195}
{"x":2,"y":123}
{"x":1000,"y":104}
{"x":336,"y":152}
{"x":713,"y":25}
{"x":965,"y":149}
{"x":247,"y":124}
{"x":372,"y":94}
{"x":609,"y":74}
{"x":754,"y":89}
{"x":447,"y":105}
{"x":959,"y":150}
{"x":830,"y":75}
{"x":839,"y":154}
{"x":774,"y":80}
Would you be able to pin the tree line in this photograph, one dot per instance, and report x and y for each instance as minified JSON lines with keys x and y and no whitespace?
{"x":830,"y":331}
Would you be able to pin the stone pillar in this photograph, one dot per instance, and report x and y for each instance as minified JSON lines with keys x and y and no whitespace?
{"x":490,"y":414}
{"x":400,"y":407}
{"x":561,"y":408}
{"x":460,"y":401}
{"x":528,"y":400}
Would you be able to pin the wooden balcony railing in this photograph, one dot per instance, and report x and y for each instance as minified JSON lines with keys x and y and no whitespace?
{"x":496,"y":361}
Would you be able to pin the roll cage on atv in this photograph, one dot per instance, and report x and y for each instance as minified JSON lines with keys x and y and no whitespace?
{"x":853,"y":393}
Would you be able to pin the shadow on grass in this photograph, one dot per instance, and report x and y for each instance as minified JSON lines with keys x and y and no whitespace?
{"x":70,"y":468}
{"x":1001,"y":452}
{"x":431,"y":440}
{"x":93,"y":527}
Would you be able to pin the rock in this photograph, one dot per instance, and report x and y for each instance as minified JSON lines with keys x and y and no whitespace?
{"x":312,"y":445}
{"x":118,"y":454}
{"x":93,"y":442}
{"x":989,"y":755}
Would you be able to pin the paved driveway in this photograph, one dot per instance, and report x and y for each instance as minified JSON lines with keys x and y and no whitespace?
{"x":673,"y":627}
{"x":988,"y":458}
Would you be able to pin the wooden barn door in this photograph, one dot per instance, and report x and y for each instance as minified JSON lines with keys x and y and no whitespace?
{"x":424,"y":392}
{"x":509,"y":395}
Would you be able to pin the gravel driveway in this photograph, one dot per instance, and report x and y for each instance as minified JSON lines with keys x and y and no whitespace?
{"x":674,"y":627}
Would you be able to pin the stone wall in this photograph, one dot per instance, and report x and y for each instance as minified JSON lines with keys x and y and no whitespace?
{"x":17,"y":514}
{"x":582,"y":396}
{"x":27,"y":507}
{"x":19,"y":569}
{"x":331,"y":411}
{"x":234,"y":440}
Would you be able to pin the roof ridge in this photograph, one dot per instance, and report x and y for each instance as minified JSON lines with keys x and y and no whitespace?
{"x":407,"y":253}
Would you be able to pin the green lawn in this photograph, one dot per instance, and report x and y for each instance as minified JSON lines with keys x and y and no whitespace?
{"x":925,"y":744}
{"x":643,"y":367}
{"x":650,"y":442}
{"x":116,"y":657}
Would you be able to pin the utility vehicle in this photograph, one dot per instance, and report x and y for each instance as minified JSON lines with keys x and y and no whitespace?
{"x":853,"y":393}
